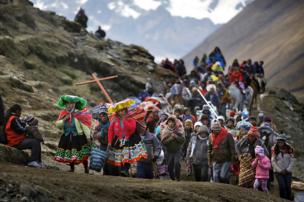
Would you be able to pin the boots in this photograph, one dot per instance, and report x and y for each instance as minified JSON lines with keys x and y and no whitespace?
{"x":86,"y":167}
{"x":72,"y":167}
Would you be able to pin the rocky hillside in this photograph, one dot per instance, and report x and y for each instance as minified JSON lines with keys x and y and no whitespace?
{"x":43,"y":55}
{"x":269,"y":30}
{"x":288,"y":116}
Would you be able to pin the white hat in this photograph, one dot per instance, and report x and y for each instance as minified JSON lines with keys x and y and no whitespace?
{"x":198,"y":123}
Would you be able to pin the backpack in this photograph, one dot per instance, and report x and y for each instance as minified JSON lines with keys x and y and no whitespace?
{"x":3,"y":138}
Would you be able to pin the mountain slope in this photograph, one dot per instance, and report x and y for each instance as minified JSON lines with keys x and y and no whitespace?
{"x":268,"y":30}
{"x":142,"y":30}
{"x":163,"y":27}
{"x":43,"y":55}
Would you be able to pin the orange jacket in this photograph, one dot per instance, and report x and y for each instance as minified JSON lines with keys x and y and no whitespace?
{"x":13,"y":138}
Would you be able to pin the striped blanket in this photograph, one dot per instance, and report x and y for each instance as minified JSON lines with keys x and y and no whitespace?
{"x":247,"y":175}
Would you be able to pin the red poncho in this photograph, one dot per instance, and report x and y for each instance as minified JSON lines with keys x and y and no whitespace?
{"x":127,"y":128}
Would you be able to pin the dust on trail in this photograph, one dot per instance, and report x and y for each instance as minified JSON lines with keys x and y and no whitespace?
{"x":58,"y":185}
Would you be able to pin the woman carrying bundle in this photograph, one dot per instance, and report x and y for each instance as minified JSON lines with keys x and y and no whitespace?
{"x":124,"y":141}
{"x":75,"y":121}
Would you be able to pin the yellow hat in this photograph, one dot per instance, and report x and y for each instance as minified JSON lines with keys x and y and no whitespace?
{"x":120,"y":105}
{"x":214,"y":78}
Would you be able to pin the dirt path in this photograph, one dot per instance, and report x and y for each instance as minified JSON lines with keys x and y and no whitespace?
{"x":52,"y":185}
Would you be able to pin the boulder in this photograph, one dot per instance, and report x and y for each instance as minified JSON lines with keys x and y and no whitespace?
{"x":12,"y":155}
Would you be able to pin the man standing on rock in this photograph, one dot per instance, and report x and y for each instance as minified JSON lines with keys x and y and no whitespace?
{"x":221,"y":152}
{"x":81,"y":18}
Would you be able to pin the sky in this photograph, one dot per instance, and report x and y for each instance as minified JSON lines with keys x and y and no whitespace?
{"x":185,"y":8}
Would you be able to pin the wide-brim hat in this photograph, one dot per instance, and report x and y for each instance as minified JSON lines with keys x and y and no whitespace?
{"x":124,"y":104}
{"x":81,"y":103}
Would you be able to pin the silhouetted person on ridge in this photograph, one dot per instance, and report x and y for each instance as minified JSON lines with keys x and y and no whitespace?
{"x":180,"y":68}
{"x":100,"y":33}
{"x":81,"y":18}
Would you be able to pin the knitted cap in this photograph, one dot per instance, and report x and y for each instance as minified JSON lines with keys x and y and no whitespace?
{"x":282,"y":137}
{"x":259,"y":150}
{"x":198,"y":123}
{"x":202,"y":127}
{"x":221,"y":118}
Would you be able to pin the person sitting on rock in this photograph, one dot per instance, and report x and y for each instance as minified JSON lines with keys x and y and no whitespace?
{"x":16,"y":134}
{"x":100,"y":33}
{"x":81,"y":18}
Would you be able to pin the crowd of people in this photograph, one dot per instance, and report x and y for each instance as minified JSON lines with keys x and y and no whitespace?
{"x":192,"y":126}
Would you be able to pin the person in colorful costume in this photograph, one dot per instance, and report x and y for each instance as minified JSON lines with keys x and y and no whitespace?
{"x":124,"y":141}
{"x":99,"y":132}
{"x":75,"y":120}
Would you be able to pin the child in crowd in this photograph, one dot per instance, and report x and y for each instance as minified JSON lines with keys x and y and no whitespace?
{"x":262,"y":166}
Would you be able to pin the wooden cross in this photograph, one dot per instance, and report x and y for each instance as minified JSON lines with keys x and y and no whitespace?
{"x":97,"y":80}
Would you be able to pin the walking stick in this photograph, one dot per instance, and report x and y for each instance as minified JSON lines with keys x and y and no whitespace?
{"x":211,"y":107}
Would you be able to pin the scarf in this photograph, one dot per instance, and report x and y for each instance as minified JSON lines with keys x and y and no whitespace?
{"x":83,"y":116}
{"x":217,"y":139}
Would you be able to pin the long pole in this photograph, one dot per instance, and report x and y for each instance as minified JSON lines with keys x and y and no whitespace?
{"x":211,"y":107}
{"x":93,"y":81}
{"x":94,"y":76}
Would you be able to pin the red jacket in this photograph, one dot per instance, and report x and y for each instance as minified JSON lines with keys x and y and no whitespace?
{"x":13,"y":138}
{"x":235,"y":76}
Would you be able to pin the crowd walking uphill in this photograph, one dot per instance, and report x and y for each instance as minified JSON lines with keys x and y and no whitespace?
{"x":202,"y":122}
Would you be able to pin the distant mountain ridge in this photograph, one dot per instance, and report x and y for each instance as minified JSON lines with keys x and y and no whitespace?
{"x":163,"y":34}
{"x":268,"y":30}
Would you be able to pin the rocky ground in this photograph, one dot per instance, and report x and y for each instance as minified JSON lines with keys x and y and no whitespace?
{"x":42,"y":56}
{"x":288,"y":116}
{"x":19,"y":183}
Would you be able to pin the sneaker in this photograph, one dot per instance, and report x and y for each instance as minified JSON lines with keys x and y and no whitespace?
{"x":34,"y":164}
{"x":42,"y":165}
